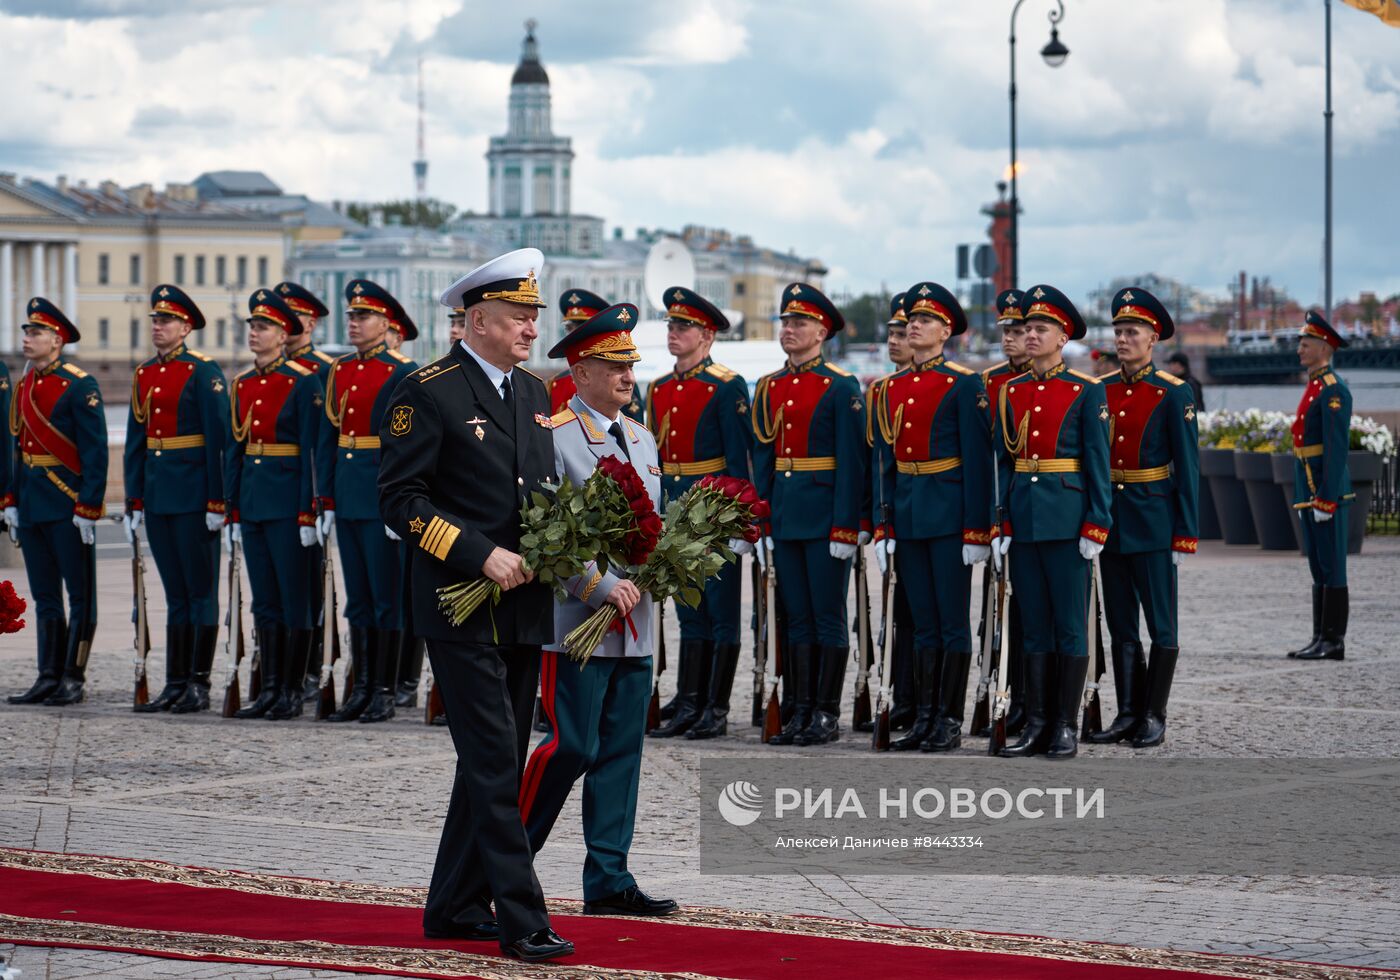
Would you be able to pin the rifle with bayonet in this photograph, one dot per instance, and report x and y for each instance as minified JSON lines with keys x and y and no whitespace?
{"x":330,"y":638}
{"x":860,"y":711}
{"x":981,"y":703}
{"x":1000,"y":687}
{"x":772,"y":715}
{"x":654,"y":705}
{"x":760,"y":618}
{"x":880,"y":740}
{"x":233,"y":644}
{"x":1093,"y":708}
{"x":142,"y":641}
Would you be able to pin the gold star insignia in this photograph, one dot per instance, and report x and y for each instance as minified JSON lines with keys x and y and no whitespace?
{"x":164,"y":293}
{"x":416,"y":525}
{"x":1128,"y":296}
{"x":217,"y":385}
{"x":262,"y":295}
{"x":34,"y":304}
{"x":1039,"y":293}
{"x":1103,"y":413}
{"x":678,"y":296}
{"x":573,"y":298}
{"x":924,"y":290}
{"x":624,"y":316}
{"x":286,"y":289}
{"x":358,"y":289}
{"x":797,"y":289}
{"x":1190,"y":412}
{"x":93,"y":399}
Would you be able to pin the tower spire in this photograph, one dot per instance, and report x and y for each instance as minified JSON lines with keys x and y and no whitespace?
{"x":420,"y":165}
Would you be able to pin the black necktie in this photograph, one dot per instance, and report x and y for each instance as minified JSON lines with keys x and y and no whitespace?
{"x":507,"y":395}
{"x":616,"y":431}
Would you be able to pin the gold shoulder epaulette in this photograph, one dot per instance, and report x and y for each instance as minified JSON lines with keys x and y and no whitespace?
{"x":197,"y":355}
{"x":323,"y":357}
{"x":954,"y":366}
{"x":429,"y":371}
{"x":721,"y":372}
{"x":301,"y":369}
{"x":75,"y":371}
{"x":1329,"y":378}
{"x":401,"y":358}
{"x":1086,"y":377}
{"x":840,"y":371}
{"x":564,"y":417}
{"x":244,"y":373}
{"x":1109,"y":376}
{"x":529,"y":372}
{"x":987,"y":374}
{"x":1169,"y":378}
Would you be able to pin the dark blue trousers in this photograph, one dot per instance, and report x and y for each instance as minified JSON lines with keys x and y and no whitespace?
{"x":939,"y":587}
{"x":597,"y":719}
{"x":272,"y":552}
{"x":1147,"y":581}
{"x":1326,"y":544}
{"x":55,"y":557}
{"x":372,"y":572}
{"x":187,"y":559}
{"x":716,"y":619}
{"x":1051,"y":582}
{"x":813,"y":587}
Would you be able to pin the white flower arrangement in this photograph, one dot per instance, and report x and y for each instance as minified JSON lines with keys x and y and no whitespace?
{"x":1373,"y":436}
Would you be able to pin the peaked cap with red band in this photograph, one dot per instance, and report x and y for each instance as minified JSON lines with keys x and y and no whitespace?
{"x":579,"y":305}
{"x":265,"y":304}
{"x":44,"y":314}
{"x":1048,"y":303}
{"x":168,"y":300}
{"x":301,"y":299}
{"x":688,"y":306}
{"x":1011,"y":307}
{"x":1135,"y":304}
{"x":607,"y":335}
{"x":931,"y":299}
{"x":897,"y":312}
{"x":802,"y":299}
{"x":1315,"y":325}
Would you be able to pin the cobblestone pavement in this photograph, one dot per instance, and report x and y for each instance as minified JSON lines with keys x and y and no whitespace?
{"x":365,"y":803}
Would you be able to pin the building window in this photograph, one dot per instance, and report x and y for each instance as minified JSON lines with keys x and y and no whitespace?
{"x":135,"y":333}
{"x":738,"y":289}
{"x":136,"y":270}
{"x":179,"y":270}
{"x":511,"y":196}
{"x":104,"y":332}
{"x":242,"y":270}
{"x":262,"y":270}
{"x":222,"y":333}
{"x":104,"y":269}
{"x":199,"y":270}
{"x":221,"y":270}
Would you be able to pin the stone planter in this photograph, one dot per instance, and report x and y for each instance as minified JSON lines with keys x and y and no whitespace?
{"x":1283,"y":476}
{"x":1271,"y":517}
{"x":1365,"y":470}
{"x":1207,"y":523}
{"x":1231,"y":501}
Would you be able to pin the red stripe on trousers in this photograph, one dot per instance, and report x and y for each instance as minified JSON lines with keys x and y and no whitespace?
{"x":539,"y":759}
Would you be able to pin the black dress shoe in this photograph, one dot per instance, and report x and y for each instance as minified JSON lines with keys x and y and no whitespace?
{"x":489,"y":931}
{"x":546,"y":944}
{"x":629,"y":901}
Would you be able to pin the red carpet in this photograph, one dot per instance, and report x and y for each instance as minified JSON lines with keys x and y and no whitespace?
{"x":158,"y":909}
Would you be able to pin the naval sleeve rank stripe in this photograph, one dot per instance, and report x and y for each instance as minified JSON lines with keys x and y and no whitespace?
{"x":439,"y":537}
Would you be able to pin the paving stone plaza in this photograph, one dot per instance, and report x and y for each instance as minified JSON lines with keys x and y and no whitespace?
{"x":365,"y":803}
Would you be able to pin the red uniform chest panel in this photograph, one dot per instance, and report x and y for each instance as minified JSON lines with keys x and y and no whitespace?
{"x":678,"y":405}
{"x":356,"y":385}
{"x":1130,"y":408}
{"x":995,"y":382}
{"x":793,"y":400}
{"x":561,"y":389}
{"x":260,"y":401}
{"x":1310,"y":394}
{"x":914,"y":400}
{"x":43,"y":392}
{"x":310,"y":361}
{"x":158,"y":388}
{"x":1045,"y":404}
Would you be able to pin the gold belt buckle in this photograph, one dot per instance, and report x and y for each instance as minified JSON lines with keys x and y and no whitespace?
{"x":350,"y":444}
{"x":1032,"y":466}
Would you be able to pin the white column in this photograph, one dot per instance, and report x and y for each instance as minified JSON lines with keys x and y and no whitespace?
{"x":7,"y":297}
{"x":70,"y":280}
{"x":527,"y":186}
{"x":36,"y":268}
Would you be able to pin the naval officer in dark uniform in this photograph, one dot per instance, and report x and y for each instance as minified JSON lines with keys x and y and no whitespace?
{"x":465,"y":439}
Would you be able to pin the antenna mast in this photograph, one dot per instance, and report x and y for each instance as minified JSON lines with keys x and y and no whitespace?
{"x":420,"y":166}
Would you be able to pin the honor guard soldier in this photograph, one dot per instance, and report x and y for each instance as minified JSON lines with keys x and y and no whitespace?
{"x":269,"y":483}
{"x":60,"y":478}
{"x":177,"y":431}
{"x":1322,"y":485}
{"x":456,"y":324}
{"x":299,"y":348}
{"x":357,"y":395}
{"x":810,"y":463}
{"x":935,"y":458}
{"x":1052,"y":446}
{"x":578,"y":306}
{"x":1154,"y":462}
{"x":699,"y":414}
{"x":9,"y":513}
{"x":1011,"y":319}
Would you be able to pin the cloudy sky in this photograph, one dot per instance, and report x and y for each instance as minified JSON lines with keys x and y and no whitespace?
{"x":1182,"y":137}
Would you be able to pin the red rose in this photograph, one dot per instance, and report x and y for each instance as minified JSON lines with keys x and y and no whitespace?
{"x":751,"y":534}
{"x":760,"y":510}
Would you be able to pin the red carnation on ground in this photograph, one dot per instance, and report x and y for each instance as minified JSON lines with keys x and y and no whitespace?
{"x":12,"y":606}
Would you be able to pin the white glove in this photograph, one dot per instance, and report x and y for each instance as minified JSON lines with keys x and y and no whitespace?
{"x":213,"y":521}
{"x":233,"y":534}
{"x":842,"y":551}
{"x":324,"y":523}
{"x":308,"y":535}
{"x":884,"y":551}
{"x":1000,"y":546}
{"x":1177,"y":558}
{"x":87,"y":529}
{"x":739,"y":546}
{"x":863,"y":538}
{"x":388,"y":533}
{"x":130,"y":522}
{"x":1321,"y":516}
{"x":1089,"y":549}
{"x":765,"y":554}
{"x":973,"y":553}
{"x":12,"y":522}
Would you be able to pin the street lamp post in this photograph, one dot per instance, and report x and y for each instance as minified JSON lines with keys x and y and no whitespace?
{"x":1054,"y":54}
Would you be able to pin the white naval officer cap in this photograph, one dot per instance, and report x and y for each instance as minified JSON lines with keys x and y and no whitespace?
{"x":510,"y":277}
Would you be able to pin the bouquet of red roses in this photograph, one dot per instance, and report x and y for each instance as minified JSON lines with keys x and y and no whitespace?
{"x":636,"y":545}
{"x":691,"y":548}
{"x":11,"y":608}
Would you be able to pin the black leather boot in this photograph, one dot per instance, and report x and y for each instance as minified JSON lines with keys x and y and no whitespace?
{"x":1035,"y":737}
{"x":1335,"y":612}
{"x":203,"y":641}
{"x":906,"y":697}
{"x":1311,"y":646}
{"x":386,"y":675}
{"x":952,"y":694}
{"x":70,"y":686}
{"x":928,"y":667}
{"x":1130,"y":683}
{"x":270,"y":646}
{"x":52,"y":636}
{"x":293,"y":694}
{"x":357,"y":698}
{"x":826,"y":717}
{"x":1015,"y":669}
{"x":177,"y":670}
{"x":1160,"y":669}
{"x":689,"y":677}
{"x":410,"y":670}
{"x":1064,"y":742}
{"x":799,"y":670}
{"x":714,"y":720}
